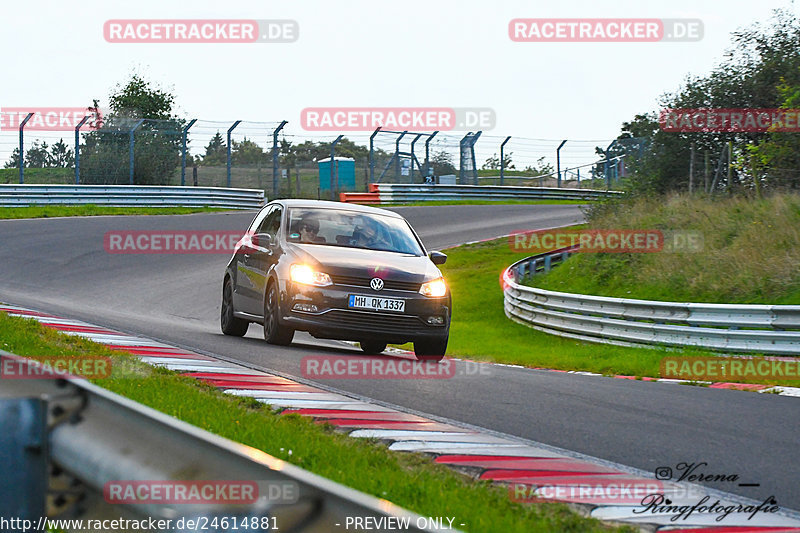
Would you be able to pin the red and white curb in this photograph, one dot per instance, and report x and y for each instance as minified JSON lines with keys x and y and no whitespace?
{"x":602,"y":490}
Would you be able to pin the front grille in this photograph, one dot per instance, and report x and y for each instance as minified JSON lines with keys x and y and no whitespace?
{"x":391,"y":285}
{"x":373,"y":321}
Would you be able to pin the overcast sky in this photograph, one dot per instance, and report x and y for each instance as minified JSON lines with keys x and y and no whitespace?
{"x":429,"y":53}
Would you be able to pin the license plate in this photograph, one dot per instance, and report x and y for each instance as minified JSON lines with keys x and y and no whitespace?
{"x":376,"y":304}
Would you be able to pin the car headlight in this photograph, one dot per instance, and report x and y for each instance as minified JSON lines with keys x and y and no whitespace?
{"x":434,"y":288}
{"x":308,"y":276}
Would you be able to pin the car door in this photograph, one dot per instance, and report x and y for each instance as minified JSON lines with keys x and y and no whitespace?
{"x":259,"y":258}
{"x":245,"y":284}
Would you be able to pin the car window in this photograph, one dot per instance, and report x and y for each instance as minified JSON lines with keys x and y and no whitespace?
{"x":259,"y":219}
{"x":352,"y":229}
{"x":272,"y":223}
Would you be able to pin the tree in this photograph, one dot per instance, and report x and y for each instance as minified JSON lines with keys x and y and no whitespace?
{"x":157,"y":141}
{"x":442,"y":163}
{"x":216,"y":151}
{"x":61,"y":156}
{"x":493,"y":163}
{"x":246,"y":152}
{"x":758,"y":71}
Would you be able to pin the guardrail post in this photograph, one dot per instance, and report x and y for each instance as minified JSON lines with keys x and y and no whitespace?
{"x":24,"y":455}
{"x":547,"y":263}
{"x":130,"y":149}
{"x":22,"y":149}
{"x":333,"y":163}
{"x":78,"y":149}
{"x":275,"y":158}
{"x":372,"y":154}
{"x":558,"y":160}
{"x":228,"y":163}
{"x":427,"y":151}
{"x":503,"y":159}
{"x":183,"y":150}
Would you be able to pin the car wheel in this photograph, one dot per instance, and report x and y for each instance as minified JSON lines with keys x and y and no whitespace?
{"x":228,"y":322}
{"x":274,"y":333}
{"x":430,"y":350}
{"x":372,"y":347}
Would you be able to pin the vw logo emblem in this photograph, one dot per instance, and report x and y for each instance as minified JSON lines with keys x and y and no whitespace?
{"x":376,"y":284}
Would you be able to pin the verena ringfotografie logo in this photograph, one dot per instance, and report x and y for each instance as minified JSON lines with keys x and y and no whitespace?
{"x":171,"y":242}
{"x":606,"y":241}
{"x":355,"y":367}
{"x":710,"y":120}
{"x":88,"y":367}
{"x":48,"y":118}
{"x":200,"y":31}
{"x":585,"y":30}
{"x":397,"y":118}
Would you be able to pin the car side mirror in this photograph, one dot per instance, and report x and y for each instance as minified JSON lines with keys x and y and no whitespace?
{"x":262,"y":240}
{"x":438,"y":258}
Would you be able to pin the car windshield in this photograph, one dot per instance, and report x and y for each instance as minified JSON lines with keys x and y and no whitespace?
{"x":351,"y":229}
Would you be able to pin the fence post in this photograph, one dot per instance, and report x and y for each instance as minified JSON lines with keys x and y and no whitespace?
{"x":130,"y":149}
{"x":275,"y":159}
{"x":78,"y":149}
{"x":372,"y":154}
{"x":502,"y":159}
{"x":427,"y":151}
{"x":228,"y":164}
{"x":397,"y":155}
{"x":22,"y":149}
{"x":413,"y":157}
{"x":558,"y":160}
{"x":333,"y":162}
{"x":183,"y":151}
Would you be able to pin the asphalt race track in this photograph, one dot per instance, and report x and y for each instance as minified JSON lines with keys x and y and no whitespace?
{"x":60,"y":266}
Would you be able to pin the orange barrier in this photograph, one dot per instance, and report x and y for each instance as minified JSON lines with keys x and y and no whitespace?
{"x":360,"y":197}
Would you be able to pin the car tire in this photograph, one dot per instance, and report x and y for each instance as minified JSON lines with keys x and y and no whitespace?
{"x":274,"y":332}
{"x":229,"y":324}
{"x":372,"y":347}
{"x":431,"y":350}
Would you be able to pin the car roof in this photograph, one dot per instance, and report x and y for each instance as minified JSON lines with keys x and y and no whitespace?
{"x":324,"y":204}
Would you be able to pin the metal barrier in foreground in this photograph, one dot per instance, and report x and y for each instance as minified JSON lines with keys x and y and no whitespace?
{"x":62,"y":441}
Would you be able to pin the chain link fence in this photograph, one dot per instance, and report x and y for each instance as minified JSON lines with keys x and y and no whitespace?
{"x":288,"y":163}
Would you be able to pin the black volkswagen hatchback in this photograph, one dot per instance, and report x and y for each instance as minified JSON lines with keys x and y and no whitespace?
{"x":337,"y":271}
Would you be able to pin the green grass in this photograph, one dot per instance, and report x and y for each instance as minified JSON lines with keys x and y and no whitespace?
{"x":407,"y":479}
{"x":751,"y":250}
{"x":53,"y":211}
{"x":489,"y":202}
{"x":480,"y":329}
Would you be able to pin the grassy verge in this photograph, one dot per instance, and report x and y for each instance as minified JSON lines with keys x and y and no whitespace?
{"x":751,"y":249}
{"x":410,"y":480}
{"x":53,"y":211}
{"x":480,"y":330}
{"x":488,"y":202}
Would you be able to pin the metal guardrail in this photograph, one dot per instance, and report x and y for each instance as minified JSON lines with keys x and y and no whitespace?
{"x":405,"y":192}
{"x":96,"y":436}
{"x":765,"y":329}
{"x":130,"y":195}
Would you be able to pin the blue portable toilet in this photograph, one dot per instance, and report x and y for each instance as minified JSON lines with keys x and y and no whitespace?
{"x":344,"y":167}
